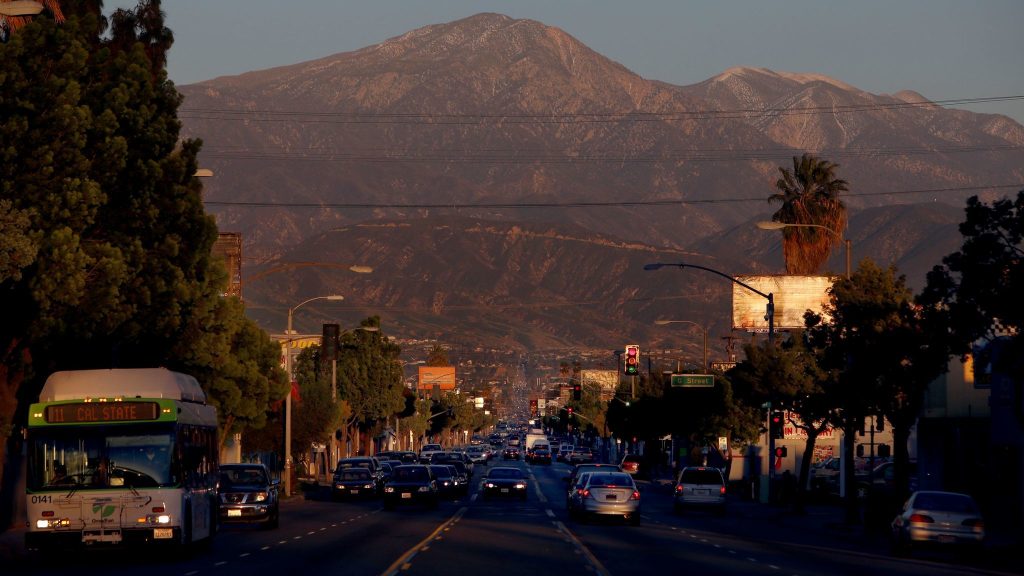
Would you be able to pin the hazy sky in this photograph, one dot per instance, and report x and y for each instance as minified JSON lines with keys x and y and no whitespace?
{"x":944,"y":49}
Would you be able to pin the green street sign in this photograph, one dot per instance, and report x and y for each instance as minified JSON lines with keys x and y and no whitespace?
{"x":692,"y":381}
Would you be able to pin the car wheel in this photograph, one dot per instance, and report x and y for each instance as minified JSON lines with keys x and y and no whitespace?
{"x":274,"y":520}
{"x":677,"y":508}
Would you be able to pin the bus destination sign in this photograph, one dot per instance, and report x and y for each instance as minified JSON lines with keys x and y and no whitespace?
{"x":82,"y":412}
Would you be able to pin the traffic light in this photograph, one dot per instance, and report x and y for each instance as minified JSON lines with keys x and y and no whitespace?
{"x":777,"y":424}
{"x":631,"y":366}
{"x":329,"y":343}
{"x":577,"y":391}
{"x":569,"y":410}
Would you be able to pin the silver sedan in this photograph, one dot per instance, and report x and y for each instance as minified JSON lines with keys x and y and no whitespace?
{"x":608,"y":494}
{"x":938,"y":518}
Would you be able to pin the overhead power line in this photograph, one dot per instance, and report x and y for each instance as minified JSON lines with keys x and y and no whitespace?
{"x":468,"y":118}
{"x":617,"y":203}
{"x":528,"y":156}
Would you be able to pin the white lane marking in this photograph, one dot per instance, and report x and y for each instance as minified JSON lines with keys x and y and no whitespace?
{"x":243,"y":554}
{"x":265,"y":548}
{"x":594,"y":562}
{"x":221,"y":563}
{"x":549,"y":512}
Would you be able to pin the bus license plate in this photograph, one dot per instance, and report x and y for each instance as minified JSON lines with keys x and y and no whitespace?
{"x":163,"y":533}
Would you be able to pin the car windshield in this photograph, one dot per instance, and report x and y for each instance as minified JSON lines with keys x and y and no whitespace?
{"x":945,"y":502}
{"x":355,"y":474}
{"x":441,"y":471}
{"x":701,"y":477}
{"x":236,"y":476}
{"x":410,"y":475}
{"x":505,"y":473}
{"x":604,"y":479}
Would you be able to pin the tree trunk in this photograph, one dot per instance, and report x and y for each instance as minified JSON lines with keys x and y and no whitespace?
{"x":800,"y":496}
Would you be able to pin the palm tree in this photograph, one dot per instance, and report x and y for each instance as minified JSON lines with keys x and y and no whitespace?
{"x":809,"y":195}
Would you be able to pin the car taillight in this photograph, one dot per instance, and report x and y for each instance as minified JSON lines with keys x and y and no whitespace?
{"x":679,"y":488}
{"x":722,"y":490}
{"x":920,"y":519}
{"x":585,"y":493}
{"x":636,"y":495}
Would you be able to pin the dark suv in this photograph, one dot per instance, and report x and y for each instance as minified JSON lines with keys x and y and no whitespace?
{"x":248,"y":494}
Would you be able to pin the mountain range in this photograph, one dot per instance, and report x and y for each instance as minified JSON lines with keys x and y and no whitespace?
{"x":507,"y":183}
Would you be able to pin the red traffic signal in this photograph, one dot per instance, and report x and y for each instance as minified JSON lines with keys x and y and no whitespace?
{"x":631,"y":365}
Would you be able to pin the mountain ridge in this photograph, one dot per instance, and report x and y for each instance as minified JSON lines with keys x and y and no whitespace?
{"x":550,"y":148}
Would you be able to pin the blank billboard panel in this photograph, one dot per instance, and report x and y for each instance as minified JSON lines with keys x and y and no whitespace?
{"x":793,"y":295}
{"x":440,"y":377}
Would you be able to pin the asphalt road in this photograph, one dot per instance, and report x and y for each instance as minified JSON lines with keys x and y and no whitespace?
{"x":497,"y":537}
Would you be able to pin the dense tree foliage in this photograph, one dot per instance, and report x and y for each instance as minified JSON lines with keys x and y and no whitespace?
{"x":107,"y":248}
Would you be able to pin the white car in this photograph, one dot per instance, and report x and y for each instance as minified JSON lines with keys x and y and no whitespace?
{"x":429,"y":450}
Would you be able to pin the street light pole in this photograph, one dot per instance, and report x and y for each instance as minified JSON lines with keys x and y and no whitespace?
{"x":769,"y":309}
{"x":772,"y":225}
{"x":288,"y":398}
{"x":702,"y":328}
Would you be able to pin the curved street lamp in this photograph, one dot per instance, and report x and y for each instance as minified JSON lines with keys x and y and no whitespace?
{"x":288,"y":398}
{"x":772,"y":225}
{"x":702,"y":328}
{"x":769,"y":311}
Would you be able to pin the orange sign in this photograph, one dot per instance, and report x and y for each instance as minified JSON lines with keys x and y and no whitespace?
{"x":441,"y":377}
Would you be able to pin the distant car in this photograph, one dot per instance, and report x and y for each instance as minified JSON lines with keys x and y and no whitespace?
{"x":354,"y":482}
{"x":369,"y":462}
{"x":609,"y":494}
{"x":938,"y":519}
{"x":510,"y":453}
{"x":563,"y":452}
{"x":581,"y":469}
{"x":541,"y":455}
{"x":699,"y":486}
{"x":248,"y":494}
{"x":450,"y":457}
{"x":631,"y":464}
{"x":581,"y":455}
{"x":505,"y":481}
{"x":411,"y":484}
{"x":574,"y":497}
{"x":445,"y":476}
{"x":427,"y":451}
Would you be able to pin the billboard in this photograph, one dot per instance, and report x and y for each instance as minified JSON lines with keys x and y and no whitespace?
{"x":603,"y":380}
{"x":440,"y":377}
{"x":793,"y":295}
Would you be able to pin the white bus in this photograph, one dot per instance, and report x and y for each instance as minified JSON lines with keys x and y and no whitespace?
{"x":121,"y":456}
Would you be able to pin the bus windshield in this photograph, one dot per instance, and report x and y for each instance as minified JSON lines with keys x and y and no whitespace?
{"x":101,"y":457}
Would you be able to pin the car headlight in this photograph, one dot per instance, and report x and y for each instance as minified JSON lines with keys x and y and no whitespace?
{"x":261,"y":496}
{"x":368,"y":486}
{"x":520,"y":485}
{"x":423,"y":489}
{"x":389,"y":489}
{"x":489,"y":485}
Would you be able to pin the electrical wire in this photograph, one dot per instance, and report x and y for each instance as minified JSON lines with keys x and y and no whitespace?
{"x":616,"y":203}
